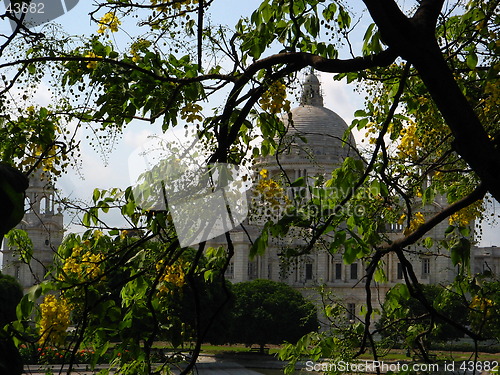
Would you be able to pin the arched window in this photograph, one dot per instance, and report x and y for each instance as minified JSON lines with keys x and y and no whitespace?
{"x":27,"y":205}
{"x":43,"y":205}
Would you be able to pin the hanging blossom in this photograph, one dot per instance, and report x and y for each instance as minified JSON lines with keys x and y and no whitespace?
{"x":173,"y":277}
{"x":108,"y":21}
{"x":54,"y":321}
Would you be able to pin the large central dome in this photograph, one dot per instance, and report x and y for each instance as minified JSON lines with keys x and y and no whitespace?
{"x":315,"y":134}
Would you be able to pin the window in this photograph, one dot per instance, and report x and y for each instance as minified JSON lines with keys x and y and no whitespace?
{"x":338,"y":271}
{"x":27,"y":205}
{"x":426,"y":267}
{"x":230,"y":271}
{"x":270,"y":271}
{"x":354,"y":271}
{"x":309,"y":271}
{"x":18,"y":272}
{"x":399,"y":271}
{"x":351,"y":312}
{"x":252,"y":270}
{"x":394,"y":228}
{"x":43,"y":205}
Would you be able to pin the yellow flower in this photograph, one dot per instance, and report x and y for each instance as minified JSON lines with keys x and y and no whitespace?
{"x":123,"y":234}
{"x":92,"y":64}
{"x":417,"y":221}
{"x":139,"y":45}
{"x":173,"y":277}
{"x":274,"y":99}
{"x":191,"y":112}
{"x":466,"y":215}
{"x":482,"y":304}
{"x":271,"y":191}
{"x":108,"y":21}
{"x":82,"y":266}
{"x":410,"y":142}
{"x":54,"y":320}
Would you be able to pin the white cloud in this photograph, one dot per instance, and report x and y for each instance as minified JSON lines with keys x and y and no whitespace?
{"x":136,"y":138}
{"x":340,"y":97}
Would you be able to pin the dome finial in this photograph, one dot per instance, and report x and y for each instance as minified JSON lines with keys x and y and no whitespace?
{"x":311,"y":92}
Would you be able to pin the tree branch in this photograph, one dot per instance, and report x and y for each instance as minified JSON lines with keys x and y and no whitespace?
{"x":418,"y":233}
{"x":427,"y":15}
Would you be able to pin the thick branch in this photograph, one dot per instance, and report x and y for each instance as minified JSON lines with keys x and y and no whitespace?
{"x":410,"y":40}
{"x":427,"y":14}
{"x":418,"y":233}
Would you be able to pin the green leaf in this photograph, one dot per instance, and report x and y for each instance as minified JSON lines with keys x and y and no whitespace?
{"x":471,"y":60}
{"x":260,"y":244}
{"x":96,"y":195}
{"x":129,"y":208}
{"x":428,"y":242}
{"x":380,"y":276}
{"x":449,"y":230}
{"x":464,"y":231}
{"x":86,"y":219}
{"x":350,"y":252}
{"x":460,"y":252}
{"x":299,"y":182}
{"x":329,"y":11}
{"x":35,"y":292}
{"x":428,"y":195}
{"x":25,"y":307}
{"x":339,"y":239}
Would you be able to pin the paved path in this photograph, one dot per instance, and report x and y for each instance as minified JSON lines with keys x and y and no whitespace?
{"x":223,"y":368}
{"x":207,"y":365}
{"x":226,"y":368}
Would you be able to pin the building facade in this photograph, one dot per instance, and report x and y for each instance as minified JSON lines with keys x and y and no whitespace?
{"x":325,"y":150}
{"x":43,"y":222}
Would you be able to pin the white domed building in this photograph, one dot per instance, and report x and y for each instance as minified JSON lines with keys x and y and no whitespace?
{"x":317,"y":142}
{"x":324,"y":130}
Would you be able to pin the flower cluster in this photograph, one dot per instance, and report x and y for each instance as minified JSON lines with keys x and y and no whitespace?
{"x":173,"y":276}
{"x":274,"y":99}
{"x":270,"y":190}
{"x":108,"y":21}
{"x":83,"y":265}
{"x":482,"y":304}
{"x":191,"y":112}
{"x":92,"y":64}
{"x":139,"y":45}
{"x":410,"y":142}
{"x":54,"y":320}
{"x":464,"y":217}
{"x":417,"y":221}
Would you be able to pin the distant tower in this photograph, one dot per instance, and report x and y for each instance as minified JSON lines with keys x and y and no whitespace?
{"x":45,"y":229}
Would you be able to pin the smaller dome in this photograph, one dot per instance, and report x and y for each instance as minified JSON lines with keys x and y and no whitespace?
{"x":311,"y":91}
{"x":311,"y":79}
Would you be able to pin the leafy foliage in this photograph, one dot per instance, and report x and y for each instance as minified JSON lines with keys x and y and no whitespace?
{"x":269,"y":312}
{"x":10,"y":295}
{"x":405,"y":320}
{"x":430,"y":117}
